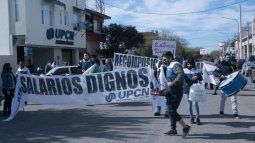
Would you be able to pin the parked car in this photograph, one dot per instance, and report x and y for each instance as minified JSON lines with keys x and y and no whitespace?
{"x":64,"y":70}
{"x":248,"y":65}
{"x":253,"y":75}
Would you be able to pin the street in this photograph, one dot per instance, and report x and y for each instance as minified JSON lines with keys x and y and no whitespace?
{"x":131,"y":122}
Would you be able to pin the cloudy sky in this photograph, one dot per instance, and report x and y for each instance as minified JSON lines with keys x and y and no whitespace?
{"x":204,"y":29}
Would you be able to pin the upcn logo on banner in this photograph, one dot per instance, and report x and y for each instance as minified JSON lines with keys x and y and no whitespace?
{"x":121,"y":85}
{"x":64,"y":37}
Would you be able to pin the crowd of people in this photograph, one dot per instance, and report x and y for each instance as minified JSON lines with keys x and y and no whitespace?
{"x":8,"y":77}
{"x":176,"y":83}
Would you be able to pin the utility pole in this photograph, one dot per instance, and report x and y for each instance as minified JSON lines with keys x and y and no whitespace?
{"x":240,"y":32}
{"x":248,"y":39}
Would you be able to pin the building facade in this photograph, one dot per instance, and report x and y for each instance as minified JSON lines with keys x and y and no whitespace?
{"x":248,"y":41}
{"x":94,"y":31}
{"x":44,"y":30}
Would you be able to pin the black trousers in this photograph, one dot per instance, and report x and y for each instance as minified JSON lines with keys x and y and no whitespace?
{"x":7,"y":101}
{"x":173,"y":102}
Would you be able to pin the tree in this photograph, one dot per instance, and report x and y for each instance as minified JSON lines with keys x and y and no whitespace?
{"x":215,"y":54}
{"x":189,"y":53}
{"x":120,"y":38}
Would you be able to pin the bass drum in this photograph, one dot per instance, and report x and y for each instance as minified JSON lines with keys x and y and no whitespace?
{"x":233,"y":84}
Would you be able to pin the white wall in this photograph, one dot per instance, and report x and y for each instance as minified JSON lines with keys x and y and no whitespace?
{"x":5,"y":47}
{"x":36,"y":31}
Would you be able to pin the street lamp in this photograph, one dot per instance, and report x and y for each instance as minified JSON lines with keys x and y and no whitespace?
{"x":239,"y":36}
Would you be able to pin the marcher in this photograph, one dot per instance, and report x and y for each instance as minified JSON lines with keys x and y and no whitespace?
{"x":39,"y":71}
{"x":175,"y":79}
{"x":217,"y":63}
{"x":192,"y":75}
{"x":30,"y":66}
{"x":224,"y":69}
{"x":54,"y":64}
{"x":8,"y":86}
{"x":95,"y":67}
{"x":85,"y":62}
{"x":48,"y":67}
{"x":159,"y":102}
{"x":22,"y":69}
{"x":107,"y":66}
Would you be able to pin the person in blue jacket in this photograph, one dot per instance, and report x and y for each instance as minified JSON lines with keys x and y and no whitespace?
{"x":192,"y":75}
{"x":174,"y":90}
{"x":8,"y":86}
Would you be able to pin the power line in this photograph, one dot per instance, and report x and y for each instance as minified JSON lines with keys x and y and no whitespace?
{"x":181,"y":13}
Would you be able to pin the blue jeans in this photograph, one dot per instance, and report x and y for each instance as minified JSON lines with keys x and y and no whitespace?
{"x":191,"y":107}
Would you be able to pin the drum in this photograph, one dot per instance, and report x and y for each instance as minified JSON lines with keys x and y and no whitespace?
{"x":233,"y":84}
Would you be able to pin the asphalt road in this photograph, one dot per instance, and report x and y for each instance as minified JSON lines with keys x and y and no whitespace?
{"x":131,"y":122}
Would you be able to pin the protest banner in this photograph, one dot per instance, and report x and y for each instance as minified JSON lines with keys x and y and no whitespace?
{"x":133,"y":61}
{"x":87,"y":89}
{"x":207,"y":73}
{"x":161,"y":46}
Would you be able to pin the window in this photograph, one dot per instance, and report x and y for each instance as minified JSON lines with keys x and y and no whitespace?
{"x":61,"y":71}
{"x":75,"y":71}
{"x":75,"y":20}
{"x":16,"y":10}
{"x":46,"y":14}
{"x":63,"y":17}
{"x":99,"y":27}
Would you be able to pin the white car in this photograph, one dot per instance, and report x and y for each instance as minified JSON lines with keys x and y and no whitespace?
{"x":253,"y":75}
{"x":64,"y":70}
{"x":248,"y":66}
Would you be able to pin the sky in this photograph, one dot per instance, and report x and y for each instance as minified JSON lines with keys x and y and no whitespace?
{"x":204,"y":29}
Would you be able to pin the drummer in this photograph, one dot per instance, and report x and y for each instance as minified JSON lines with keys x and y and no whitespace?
{"x":223,"y":69}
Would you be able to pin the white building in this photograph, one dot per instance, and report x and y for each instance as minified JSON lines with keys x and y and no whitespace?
{"x":41,"y":30}
{"x":246,"y":50}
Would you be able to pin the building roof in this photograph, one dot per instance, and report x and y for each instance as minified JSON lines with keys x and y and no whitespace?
{"x":149,"y":34}
{"x":97,"y":13}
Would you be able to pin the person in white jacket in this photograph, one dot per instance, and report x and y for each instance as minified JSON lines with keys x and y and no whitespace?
{"x":159,"y":102}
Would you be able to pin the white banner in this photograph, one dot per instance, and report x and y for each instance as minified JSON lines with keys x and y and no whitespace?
{"x":87,"y":89}
{"x":207,"y":74}
{"x":133,"y":61}
{"x":161,"y":46}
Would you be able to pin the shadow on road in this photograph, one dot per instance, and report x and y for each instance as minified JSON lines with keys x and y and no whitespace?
{"x":235,"y":124}
{"x":246,"y":94}
{"x":133,"y":104}
{"x":226,"y":116}
{"x":58,"y":125}
{"x":249,"y":136}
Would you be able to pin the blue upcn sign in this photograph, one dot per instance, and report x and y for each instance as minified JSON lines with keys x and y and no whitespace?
{"x":65,"y":37}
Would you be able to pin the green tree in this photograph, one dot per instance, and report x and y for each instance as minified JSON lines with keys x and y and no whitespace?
{"x":120,"y":38}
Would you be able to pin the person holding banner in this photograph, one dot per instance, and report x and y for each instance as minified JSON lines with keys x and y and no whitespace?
{"x":85,"y":62}
{"x":95,"y":65}
{"x":175,"y":79}
{"x":107,"y":66}
{"x":224,"y":69}
{"x":22,"y":69}
{"x":8,"y":86}
{"x":192,"y":75}
{"x":160,"y":101}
